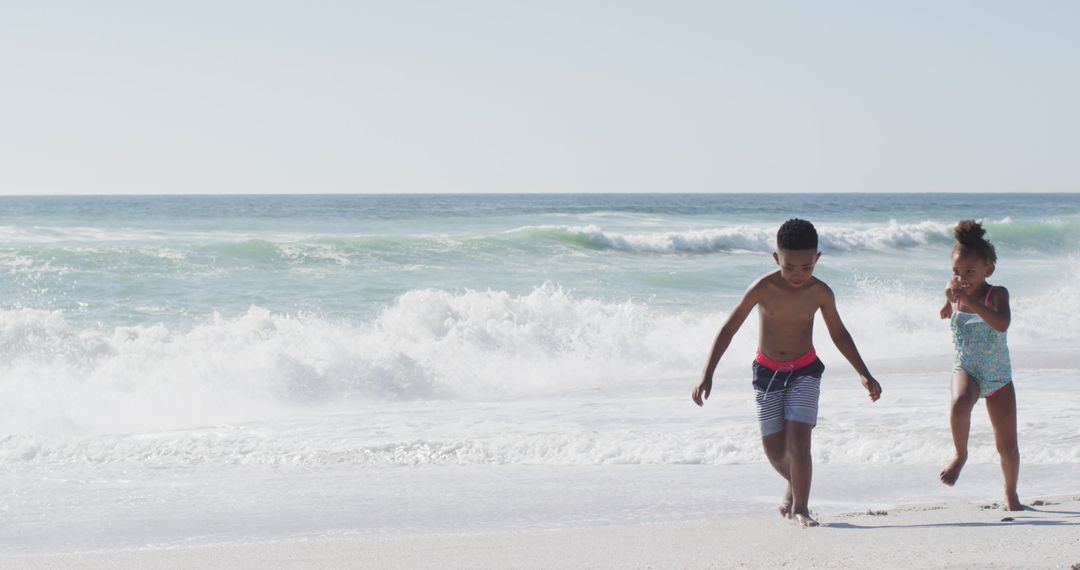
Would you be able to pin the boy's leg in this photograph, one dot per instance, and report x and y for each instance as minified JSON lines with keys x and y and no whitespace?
{"x":965,"y":392}
{"x":801,"y":470}
{"x":775,"y":445}
{"x":800,"y":412}
{"x":1001,"y":405}
{"x":770,"y":411}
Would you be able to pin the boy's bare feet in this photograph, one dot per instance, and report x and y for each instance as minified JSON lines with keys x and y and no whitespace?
{"x":805,"y":521}
{"x":1012,"y":503}
{"x":951,"y":473}
{"x":785,"y":507}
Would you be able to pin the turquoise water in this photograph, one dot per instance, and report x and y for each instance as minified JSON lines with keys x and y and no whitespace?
{"x":178,"y":260}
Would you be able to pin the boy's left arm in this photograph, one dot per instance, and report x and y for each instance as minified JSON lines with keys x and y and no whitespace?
{"x":843,"y":341}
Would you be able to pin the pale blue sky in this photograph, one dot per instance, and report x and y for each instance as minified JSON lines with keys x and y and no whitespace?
{"x":397,"y":96}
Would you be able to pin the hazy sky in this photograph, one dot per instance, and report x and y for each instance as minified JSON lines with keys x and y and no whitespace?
{"x":508,"y":96}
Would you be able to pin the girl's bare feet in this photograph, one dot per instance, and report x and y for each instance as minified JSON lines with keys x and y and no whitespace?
{"x":951,"y":473}
{"x":805,"y":521}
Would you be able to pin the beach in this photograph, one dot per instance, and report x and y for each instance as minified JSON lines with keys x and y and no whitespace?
{"x":441,"y":285}
{"x":958,"y":535}
{"x":504,"y":381}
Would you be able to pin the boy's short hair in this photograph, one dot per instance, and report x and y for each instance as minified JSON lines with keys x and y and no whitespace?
{"x":796,"y":234}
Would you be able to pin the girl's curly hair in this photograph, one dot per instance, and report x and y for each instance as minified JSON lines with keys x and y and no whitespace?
{"x":970,"y":242}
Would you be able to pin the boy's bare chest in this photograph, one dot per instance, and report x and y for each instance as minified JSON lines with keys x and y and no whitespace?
{"x":798,"y":309}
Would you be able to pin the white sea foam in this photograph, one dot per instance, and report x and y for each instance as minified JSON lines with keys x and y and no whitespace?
{"x":832,"y":237}
{"x":640,"y":425}
{"x":428,"y":344}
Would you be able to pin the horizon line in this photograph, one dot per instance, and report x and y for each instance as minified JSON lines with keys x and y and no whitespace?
{"x":778,"y":193}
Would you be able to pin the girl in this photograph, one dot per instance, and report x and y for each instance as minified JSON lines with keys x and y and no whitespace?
{"x":980,"y":316}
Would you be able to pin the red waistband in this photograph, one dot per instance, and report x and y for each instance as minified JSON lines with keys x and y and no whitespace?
{"x":796,"y":364}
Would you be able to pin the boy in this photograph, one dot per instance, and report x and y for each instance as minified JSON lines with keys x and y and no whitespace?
{"x":787,"y":373}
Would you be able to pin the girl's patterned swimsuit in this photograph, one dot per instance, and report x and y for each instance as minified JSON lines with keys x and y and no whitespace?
{"x":981,"y":351}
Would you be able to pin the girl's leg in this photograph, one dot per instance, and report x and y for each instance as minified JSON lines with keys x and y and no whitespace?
{"x":965,"y":392}
{"x":1001,"y":406}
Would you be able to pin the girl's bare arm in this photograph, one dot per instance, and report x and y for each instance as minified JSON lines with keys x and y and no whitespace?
{"x":998,"y":314}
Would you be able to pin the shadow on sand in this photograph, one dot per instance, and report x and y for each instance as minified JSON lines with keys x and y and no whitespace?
{"x":1013,"y":522}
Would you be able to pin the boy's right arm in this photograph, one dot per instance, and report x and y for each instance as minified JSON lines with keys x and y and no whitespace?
{"x":723,"y":339}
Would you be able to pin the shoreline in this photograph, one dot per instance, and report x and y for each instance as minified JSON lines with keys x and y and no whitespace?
{"x":951,"y":534}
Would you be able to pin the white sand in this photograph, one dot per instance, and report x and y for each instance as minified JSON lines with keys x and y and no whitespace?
{"x":928,"y":536}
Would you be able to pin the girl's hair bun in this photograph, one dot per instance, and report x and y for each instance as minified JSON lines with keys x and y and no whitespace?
{"x":970,"y":241}
{"x":969,"y":232}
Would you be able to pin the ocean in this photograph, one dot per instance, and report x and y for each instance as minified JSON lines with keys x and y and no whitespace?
{"x":179,"y":370}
